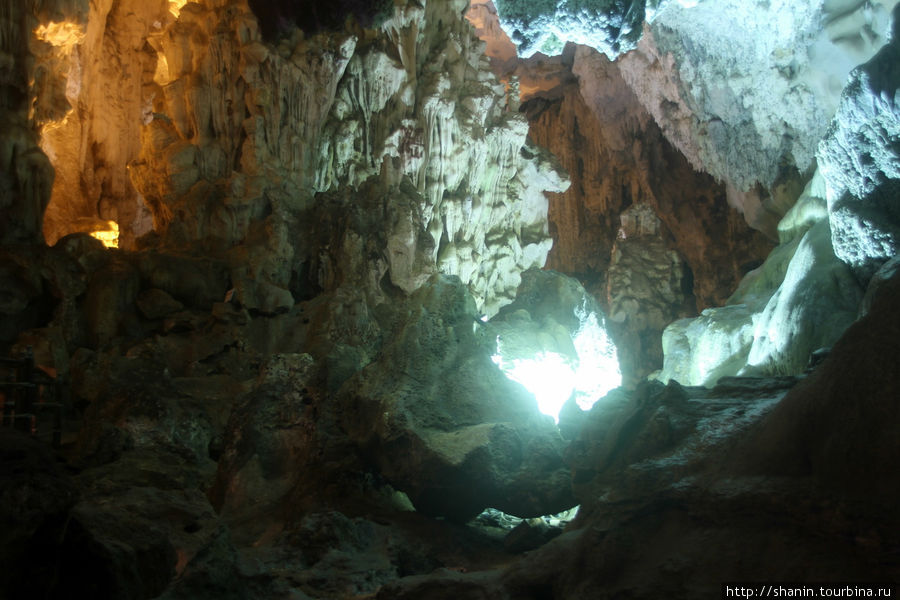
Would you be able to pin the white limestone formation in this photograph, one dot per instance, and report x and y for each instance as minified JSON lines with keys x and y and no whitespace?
{"x":712,"y":89}
{"x":860,"y":160}
{"x":223,"y":137}
{"x":801,"y":299}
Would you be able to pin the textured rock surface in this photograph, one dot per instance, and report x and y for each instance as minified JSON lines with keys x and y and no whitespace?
{"x":616,"y":156}
{"x":800,"y":299}
{"x":709,"y":89}
{"x":860,"y":161}
{"x":222,"y":141}
{"x":26,"y":177}
{"x":101,"y":69}
{"x":444,"y":425}
{"x":669,"y":476}
{"x":647,"y":288}
{"x":610,"y":26}
{"x":276,"y":379}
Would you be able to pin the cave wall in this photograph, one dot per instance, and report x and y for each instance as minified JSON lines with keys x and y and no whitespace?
{"x":618,"y":159}
{"x":710,"y":89}
{"x":186,"y":124}
{"x":710,"y":95}
{"x":27,"y":176}
{"x":287,"y":387}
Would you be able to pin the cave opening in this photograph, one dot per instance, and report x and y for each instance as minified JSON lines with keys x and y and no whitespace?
{"x":350,"y":300}
{"x":557,"y":367}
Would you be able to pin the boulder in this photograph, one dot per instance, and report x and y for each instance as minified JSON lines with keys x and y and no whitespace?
{"x":441,"y":422}
{"x":109,"y":302}
{"x":36,"y":495}
{"x":860,"y":160}
{"x":155,"y":303}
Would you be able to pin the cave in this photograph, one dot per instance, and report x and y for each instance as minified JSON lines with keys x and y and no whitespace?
{"x":471,"y":299}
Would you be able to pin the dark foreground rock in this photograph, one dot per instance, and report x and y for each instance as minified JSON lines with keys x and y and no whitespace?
{"x":682,"y":489}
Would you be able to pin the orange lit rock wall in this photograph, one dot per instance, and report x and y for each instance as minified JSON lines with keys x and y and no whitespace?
{"x":103,"y":70}
{"x":616,"y":156}
{"x":179,"y":120}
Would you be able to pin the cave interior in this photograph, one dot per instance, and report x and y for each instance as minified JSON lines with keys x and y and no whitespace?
{"x":427,"y":299}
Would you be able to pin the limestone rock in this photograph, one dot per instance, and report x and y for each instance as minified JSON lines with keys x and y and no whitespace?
{"x":270,"y":437}
{"x":479,"y":182}
{"x":815,"y":303}
{"x":859,"y":160}
{"x":90,"y":148}
{"x":109,"y":302}
{"x":610,"y":27}
{"x":800,"y":299}
{"x":444,"y":425}
{"x":199,"y":143}
{"x":500,"y":50}
{"x":42,"y":288}
{"x":21,"y":305}
{"x":193,"y":281}
{"x":705,"y":88}
{"x":140,"y":406}
{"x":592,"y":128}
{"x":835,"y":426}
{"x":646,"y":290}
{"x":154,"y":303}
{"x":700,"y":350}
{"x":676,"y":54}
{"x":667,"y":469}
{"x":657,"y":435}
{"x":26,"y":178}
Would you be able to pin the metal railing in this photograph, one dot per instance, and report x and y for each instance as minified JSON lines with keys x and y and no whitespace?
{"x":27,"y":393}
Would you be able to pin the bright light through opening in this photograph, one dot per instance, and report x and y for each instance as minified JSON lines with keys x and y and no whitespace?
{"x":553,"y":377}
{"x":548,"y":376}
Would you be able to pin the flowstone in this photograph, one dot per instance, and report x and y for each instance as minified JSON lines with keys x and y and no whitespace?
{"x":800,"y":299}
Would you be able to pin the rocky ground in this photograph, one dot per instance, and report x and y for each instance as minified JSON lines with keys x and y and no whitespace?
{"x":284,"y":384}
{"x":240,"y":477}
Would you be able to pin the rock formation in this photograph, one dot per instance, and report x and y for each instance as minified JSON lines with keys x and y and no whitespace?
{"x":26,"y":177}
{"x":710,"y":93}
{"x":308,"y":369}
{"x":609,"y":26}
{"x":669,"y":477}
{"x":203,"y":143}
{"x":618,"y":159}
{"x":835,"y":237}
{"x":859,"y":160}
